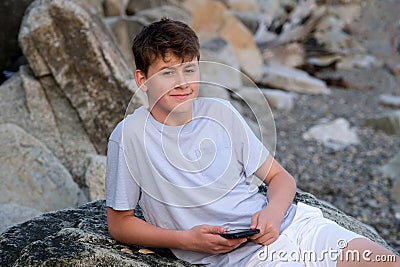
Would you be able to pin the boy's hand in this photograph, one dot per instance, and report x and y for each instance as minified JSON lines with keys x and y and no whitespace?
{"x":206,"y":239}
{"x":269,"y":224}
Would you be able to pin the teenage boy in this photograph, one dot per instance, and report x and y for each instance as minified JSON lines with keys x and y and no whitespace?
{"x":187,"y":161}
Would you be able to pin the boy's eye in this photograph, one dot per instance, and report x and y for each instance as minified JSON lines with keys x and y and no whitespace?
{"x":191,"y":70}
{"x":167,"y":73}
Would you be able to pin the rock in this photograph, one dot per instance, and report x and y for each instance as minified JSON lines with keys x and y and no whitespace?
{"x":41,"y":109}
{"x":12,"y":214}
{"x":335,"y":134}
{"x":390,"y":100}
{"x":170,"y":11}
{"x":297,"y":29}
{"x":136,"y":6}
{"x":209,"y":90}
{"x":124,"y":28}
{"x":290,"y":55}
{"x":95,"y":177}
{"x":253,"y":97}
{"x":31,"y":175}
{"x":243,"y":6}
{"x":74,"y":237}
{"x":330,"y":35}
{"x":294,"y":80}
{"x":388,"y":122}
{"x":96,"y":6}
{"x":392,"y":170}
{"x":64,"y":40}
{"x":219,"y":66}
{"x":11,"y":13}
{"x":115,"y":7}
{"x":359,"y":61}
{"x":279,"y":99}
{"x":211,"y":19}
{"x":79,"y":237}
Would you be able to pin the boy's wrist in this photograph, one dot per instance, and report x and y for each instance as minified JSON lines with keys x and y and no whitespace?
{"x":183,"y":239}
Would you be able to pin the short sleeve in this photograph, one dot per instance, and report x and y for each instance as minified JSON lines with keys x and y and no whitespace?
{"x":250,"y":151}
{"x":122,"y":192}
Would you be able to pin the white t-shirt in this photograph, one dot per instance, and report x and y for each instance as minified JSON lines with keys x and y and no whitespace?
{"x":183,"y":176}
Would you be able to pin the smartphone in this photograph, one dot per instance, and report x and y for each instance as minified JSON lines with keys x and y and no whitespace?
{"x":239,"y":233}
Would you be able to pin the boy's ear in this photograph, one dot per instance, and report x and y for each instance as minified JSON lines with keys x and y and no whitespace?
{"x":140,"y":79}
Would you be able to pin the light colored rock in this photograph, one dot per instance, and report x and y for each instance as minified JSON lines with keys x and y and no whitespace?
{"x":392,"y":170}
{"x":12,"y":214}
{"x":170,"y":11}
{"x":290,"y":55}
{"x":348,"y":13}
{"x":219,"y":65}
{"x":324,"y":60}
{"x":359,"y":61}
{"x":295,"y":30}
{"x":388,"y":122}
{"x":123,"y":29}
{"x":280,"y":99}
{"x":115,"y":7}
{"x":329,"y":34}
{"x":294,"y":80}
{"x":243,"y":6}
{"x":209,"y":90}
{"x":41,"y":109}
{"x":336,"y":134}
{"x":211,"y":19}
{"x":31,"y":175}
{"x":97,"y":7}
{"x":390,"y":100}
{"x":62,"y":39}
{"x":253,"y":97}
{"x":95,"y":177}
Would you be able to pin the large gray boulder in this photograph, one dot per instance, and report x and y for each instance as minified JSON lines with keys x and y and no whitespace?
{"x":31,"y":175}
{"x":41,"y":109}
{"x":63,"y":40}
{"x":79,"y":237}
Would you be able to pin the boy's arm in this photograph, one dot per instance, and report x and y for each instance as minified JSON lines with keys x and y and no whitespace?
{"x":280,"y":194}
{"x":126,"y":228}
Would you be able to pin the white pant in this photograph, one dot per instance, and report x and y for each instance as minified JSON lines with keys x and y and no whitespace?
{"x":310,"y":240}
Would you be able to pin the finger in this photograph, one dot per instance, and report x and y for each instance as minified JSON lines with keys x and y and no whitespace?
{"x":254,"y":221}
{"x":215,"y":229}
{"x":266,"y":239}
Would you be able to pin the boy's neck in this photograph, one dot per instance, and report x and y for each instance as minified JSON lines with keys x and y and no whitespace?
{"x":173,"y":119}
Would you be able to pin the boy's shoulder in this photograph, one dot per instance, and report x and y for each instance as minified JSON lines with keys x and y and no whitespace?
{"x":131,"y":122}
{"x":213,"y":105}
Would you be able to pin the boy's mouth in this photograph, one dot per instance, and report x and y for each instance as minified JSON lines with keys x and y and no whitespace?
{"x":181,"y":96}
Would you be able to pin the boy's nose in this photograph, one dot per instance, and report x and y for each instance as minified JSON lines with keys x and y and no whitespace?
{"x":181,"y":81}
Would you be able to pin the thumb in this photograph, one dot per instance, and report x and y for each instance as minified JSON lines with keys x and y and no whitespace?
{"x":254,"y":221}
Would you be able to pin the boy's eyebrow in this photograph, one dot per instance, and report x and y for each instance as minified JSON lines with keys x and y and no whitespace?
{"x":185,"y":64}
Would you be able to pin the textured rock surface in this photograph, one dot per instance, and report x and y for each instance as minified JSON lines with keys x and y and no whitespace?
{"x":29,"y":166}
{"x":79,"y":237}
{"x":12,"y":214}
{"x":64,"y":40}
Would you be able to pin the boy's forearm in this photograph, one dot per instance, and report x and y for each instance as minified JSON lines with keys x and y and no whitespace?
{"x":132,"y":230}
{"x":281,"y":192}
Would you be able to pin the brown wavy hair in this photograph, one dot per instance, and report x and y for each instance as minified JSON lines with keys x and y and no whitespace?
{"x":162,"y":37}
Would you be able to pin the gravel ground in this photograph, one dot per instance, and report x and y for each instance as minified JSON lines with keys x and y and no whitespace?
{"x":349,"y":179}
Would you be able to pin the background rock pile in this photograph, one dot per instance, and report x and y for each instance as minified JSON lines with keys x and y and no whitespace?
{"x":328,"y":69}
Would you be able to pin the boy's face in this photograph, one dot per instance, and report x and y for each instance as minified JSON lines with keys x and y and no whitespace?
{"x":171,"y":85}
